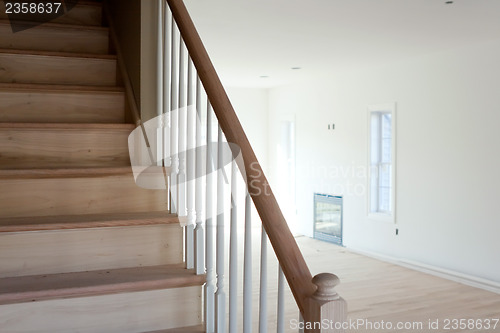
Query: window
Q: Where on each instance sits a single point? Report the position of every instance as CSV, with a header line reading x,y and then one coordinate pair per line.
x,y
382,139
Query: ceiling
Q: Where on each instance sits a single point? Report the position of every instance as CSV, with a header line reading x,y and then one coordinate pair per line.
x,y
250,39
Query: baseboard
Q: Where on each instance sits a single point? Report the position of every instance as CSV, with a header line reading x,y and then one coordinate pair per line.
x,y
466,279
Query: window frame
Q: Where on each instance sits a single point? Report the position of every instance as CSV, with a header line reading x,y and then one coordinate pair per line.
x,y
388,108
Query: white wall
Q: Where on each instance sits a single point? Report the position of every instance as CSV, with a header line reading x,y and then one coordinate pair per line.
x,y
448,160
251,107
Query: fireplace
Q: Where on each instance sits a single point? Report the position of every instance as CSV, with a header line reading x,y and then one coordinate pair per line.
x,y
328,218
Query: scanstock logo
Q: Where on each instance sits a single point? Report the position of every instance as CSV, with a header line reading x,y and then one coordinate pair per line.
x,y
152,146
26,14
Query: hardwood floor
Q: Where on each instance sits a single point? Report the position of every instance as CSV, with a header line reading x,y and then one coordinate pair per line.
x,y
377,291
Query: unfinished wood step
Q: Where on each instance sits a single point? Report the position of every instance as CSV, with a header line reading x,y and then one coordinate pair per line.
x,y
117,313
88,249
44,67
75,191
78,172
37,223
61,104
190,329
37,288
83,13
37,145
54,37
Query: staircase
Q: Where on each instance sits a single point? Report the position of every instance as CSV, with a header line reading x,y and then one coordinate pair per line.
x,y
82,248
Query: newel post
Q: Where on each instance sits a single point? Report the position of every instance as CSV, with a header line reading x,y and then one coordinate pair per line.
x,y
326,311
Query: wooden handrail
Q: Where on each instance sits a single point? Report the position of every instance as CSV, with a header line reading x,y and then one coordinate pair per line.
x,y
291,260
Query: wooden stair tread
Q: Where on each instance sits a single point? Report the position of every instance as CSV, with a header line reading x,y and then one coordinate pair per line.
x,y
80,284
60,87
59,54
190,329
55,25
37,223
64,126
63,173
56,37
76,172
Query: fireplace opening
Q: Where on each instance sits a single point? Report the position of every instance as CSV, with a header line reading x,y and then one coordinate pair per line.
x,y
328,218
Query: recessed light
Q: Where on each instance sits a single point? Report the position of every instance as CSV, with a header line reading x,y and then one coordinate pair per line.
x,y
448,2
264,76
294,68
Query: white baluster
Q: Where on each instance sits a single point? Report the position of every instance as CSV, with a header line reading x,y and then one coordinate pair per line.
x,y
190,143
263,283
189,158
233,254
167,56
281,301
181,176
209,223
198,231
174,119
220,295
159,85
247,269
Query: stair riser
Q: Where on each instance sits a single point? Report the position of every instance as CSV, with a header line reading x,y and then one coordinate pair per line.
x,y
49,38
62,251
61,107
73,196
121,313
65,148
23,68
79,15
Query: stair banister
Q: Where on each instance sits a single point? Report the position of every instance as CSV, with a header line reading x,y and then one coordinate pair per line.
x,y
315,297
282,240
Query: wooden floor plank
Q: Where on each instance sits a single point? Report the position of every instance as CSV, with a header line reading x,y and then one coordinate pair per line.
x,y
377,290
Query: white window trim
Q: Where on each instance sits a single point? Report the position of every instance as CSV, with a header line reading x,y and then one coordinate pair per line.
x,y
388,108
